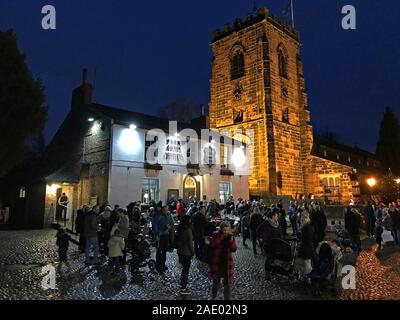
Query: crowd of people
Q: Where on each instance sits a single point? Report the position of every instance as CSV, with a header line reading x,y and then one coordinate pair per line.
x,y
208,232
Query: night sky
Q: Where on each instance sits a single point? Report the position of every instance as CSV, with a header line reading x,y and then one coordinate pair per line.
x,y
148,53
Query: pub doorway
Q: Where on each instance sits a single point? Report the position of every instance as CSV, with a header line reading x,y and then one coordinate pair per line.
x,y
191,189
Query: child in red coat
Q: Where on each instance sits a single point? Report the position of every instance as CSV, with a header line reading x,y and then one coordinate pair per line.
x,y
223,244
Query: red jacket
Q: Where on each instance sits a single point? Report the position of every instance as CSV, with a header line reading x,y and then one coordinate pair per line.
x,y
180,209
216,244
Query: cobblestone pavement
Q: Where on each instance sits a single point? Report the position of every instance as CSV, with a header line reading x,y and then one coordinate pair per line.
x,y
24,253
378,273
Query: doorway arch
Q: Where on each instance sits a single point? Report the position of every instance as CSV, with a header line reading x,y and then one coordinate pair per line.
x,y
191,188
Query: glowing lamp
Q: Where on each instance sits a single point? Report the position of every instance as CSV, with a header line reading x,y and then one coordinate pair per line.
x,y
238,157
371,182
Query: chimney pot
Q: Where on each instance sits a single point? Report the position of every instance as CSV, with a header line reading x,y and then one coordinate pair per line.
x,y
84,75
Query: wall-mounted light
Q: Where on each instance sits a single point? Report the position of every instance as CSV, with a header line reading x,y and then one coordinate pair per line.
x,y
90,119
96,127
177,135
51,190
132,127
238,157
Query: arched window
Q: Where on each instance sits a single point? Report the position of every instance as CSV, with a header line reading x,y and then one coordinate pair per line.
x,y
237,63
282,62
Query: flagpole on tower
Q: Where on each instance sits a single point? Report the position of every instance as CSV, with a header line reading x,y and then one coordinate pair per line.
x,y
292,9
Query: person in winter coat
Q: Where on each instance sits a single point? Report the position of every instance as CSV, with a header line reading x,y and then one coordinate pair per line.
x,y
256,219
268,231
80,226
180,209
378,233
245,226
352,223
282,219
395,214
199,230
319,222
212,209
116,246
185,250
91,235
163,225
223,244
105,227
63,243
369,219
123,227
307,251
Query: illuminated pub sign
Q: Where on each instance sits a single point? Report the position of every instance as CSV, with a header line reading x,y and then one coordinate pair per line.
x,y
173,151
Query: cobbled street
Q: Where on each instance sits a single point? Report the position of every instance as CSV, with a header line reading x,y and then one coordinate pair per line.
x,y
24,253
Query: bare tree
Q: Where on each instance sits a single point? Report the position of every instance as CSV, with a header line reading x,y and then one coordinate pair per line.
x,y
181,109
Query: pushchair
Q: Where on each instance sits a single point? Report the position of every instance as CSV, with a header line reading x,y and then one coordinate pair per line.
x,y
283,258
343,237
140,251
323,274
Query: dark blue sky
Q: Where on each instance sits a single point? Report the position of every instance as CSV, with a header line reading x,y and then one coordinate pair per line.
x,y
148,53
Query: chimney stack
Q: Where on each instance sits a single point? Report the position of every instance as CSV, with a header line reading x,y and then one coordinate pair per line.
x,y
84,75
83,94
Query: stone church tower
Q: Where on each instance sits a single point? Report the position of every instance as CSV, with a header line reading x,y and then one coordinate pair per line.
x,y
257,83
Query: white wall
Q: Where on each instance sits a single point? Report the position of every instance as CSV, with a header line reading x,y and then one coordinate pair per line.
x,y
127,172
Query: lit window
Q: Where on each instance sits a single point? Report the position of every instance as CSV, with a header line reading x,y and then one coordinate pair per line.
x,y
337,157
325,153
150,190
22,192
349,159
225,191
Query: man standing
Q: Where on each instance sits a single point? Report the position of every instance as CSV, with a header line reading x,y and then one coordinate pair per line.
x,y
199,228
256,219
62,207
369,219
352,223
163,225
91,235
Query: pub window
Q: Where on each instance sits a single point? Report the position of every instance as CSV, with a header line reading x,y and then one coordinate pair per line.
x,y
22,192
223,155
282,62
150,190
237,64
